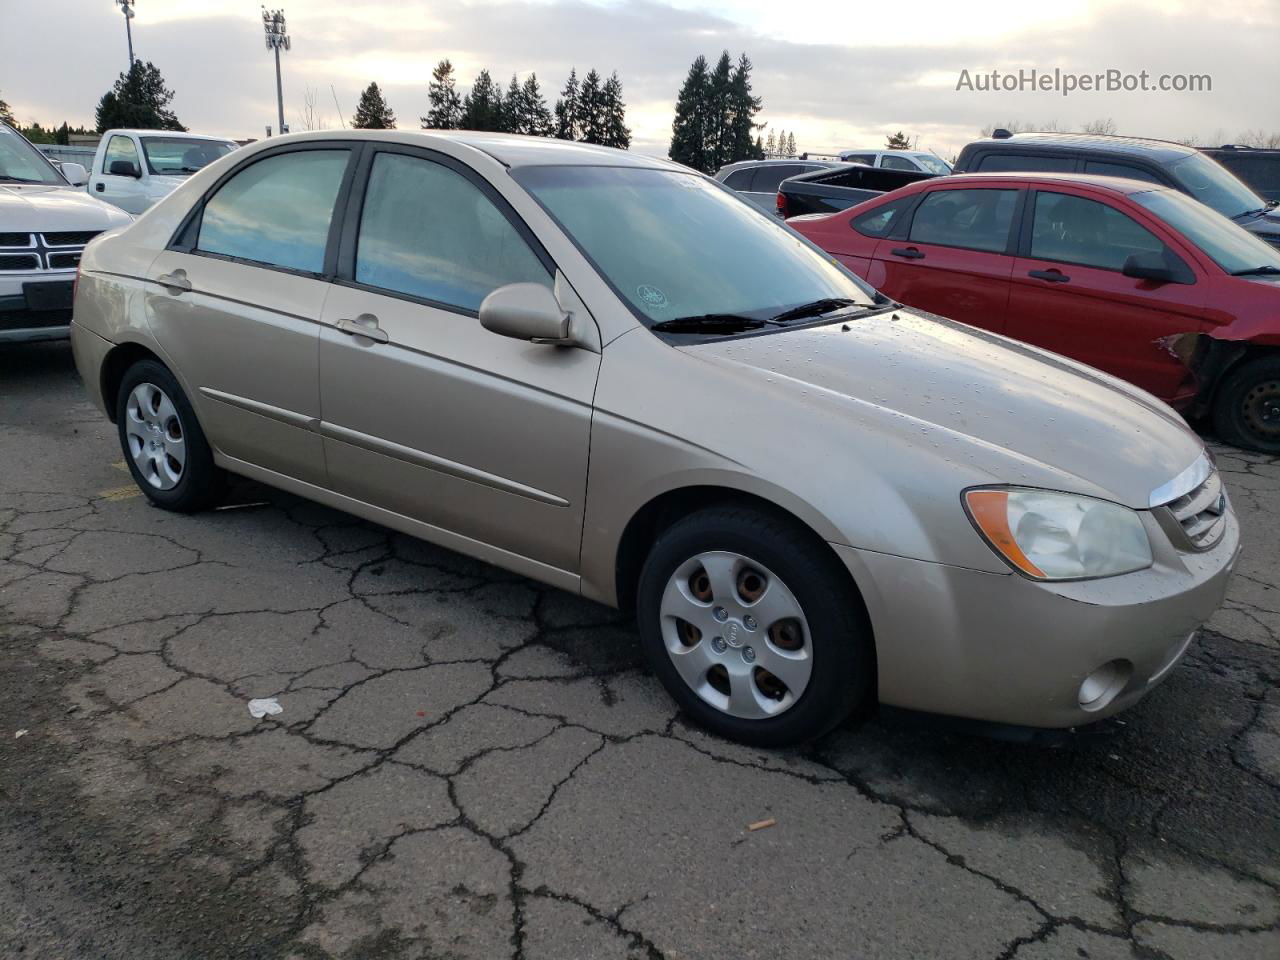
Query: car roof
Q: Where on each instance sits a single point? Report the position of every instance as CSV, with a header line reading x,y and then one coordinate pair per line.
x,y
174,134
1162,151
1122,185
739,164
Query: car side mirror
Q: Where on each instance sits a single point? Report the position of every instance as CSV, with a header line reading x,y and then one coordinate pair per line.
x,y
525,311
124,168
75,173
1147,266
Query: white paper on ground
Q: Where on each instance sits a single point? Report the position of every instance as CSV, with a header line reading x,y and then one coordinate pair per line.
x,y
261,708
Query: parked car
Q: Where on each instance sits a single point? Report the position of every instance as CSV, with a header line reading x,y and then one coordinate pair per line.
x,y
918,160
134,168
1156,161
1259,168
813,498
45,221
1135,279
757,180
838,188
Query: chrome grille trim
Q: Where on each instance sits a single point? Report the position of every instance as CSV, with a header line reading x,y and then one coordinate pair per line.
x,y
1197,519
43,252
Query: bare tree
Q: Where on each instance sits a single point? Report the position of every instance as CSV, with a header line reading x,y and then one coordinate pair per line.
x,y
1104,127
312,118
1259,138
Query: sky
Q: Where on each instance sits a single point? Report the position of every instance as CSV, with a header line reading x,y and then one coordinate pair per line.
x,y
837,73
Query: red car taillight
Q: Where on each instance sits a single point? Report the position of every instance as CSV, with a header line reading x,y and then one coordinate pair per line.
x,y
782,204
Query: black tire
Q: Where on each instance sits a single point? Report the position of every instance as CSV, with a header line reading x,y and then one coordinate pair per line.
x,y
842,675
1246,410
201,482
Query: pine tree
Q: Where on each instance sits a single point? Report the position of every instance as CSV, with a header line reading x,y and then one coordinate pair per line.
x,y
791,144
743,107
372,112
513,108
446,103
567,109
719,136
591,109
6,114
616,132
482,107
138,99
537,118
688,130
898,141
771,145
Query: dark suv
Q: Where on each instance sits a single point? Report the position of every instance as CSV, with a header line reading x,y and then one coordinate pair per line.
x,y
1156,161
1258,167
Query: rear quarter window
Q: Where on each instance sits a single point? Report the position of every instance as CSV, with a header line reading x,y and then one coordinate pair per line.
x,y
1026,163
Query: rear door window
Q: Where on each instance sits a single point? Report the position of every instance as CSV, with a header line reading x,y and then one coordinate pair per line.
x,y
276,211
1026,163
878,222
739,179
1071,229
897,163
768,177
429,232
976,219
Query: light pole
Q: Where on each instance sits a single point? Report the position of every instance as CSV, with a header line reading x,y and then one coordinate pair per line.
x,y
126,7
277,39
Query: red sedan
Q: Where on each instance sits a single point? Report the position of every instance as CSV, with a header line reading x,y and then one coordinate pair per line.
x,y
1133,278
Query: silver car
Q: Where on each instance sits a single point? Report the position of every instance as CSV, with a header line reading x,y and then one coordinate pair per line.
x,y
606,373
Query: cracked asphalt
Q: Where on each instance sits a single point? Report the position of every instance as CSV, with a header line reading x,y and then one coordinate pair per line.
x,y
469,764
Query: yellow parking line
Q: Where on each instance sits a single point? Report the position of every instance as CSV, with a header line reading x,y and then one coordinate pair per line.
x,y
121,493
121,465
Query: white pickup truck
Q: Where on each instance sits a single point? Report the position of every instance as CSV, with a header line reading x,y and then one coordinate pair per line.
x,y
46,218
134,168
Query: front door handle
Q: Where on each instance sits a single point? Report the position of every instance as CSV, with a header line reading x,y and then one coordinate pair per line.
x,y
175,282
909,253
1053,276
365,325
100,187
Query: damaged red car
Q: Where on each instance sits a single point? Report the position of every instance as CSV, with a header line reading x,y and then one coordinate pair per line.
x,y
1135,279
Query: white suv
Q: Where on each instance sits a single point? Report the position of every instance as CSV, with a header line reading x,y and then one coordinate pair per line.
x,y
917,160
45,221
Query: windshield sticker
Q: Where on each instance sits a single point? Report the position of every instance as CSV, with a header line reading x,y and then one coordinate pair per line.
x,y
651,296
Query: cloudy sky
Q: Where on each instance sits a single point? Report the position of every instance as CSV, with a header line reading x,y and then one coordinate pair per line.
x,y
838,73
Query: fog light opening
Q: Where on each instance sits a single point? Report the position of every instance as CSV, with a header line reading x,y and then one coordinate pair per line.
x,y
1104,684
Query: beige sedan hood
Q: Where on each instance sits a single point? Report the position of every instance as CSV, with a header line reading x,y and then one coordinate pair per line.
x,y
1021,414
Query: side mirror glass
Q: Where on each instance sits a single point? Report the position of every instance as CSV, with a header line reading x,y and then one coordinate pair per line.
x,y
124,168
525,311
75,173
1147,266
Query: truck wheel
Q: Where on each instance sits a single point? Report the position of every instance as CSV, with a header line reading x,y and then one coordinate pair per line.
x,y
1247,409
164,447
752,627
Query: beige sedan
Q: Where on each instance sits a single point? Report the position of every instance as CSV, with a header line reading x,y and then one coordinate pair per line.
x,y
608,373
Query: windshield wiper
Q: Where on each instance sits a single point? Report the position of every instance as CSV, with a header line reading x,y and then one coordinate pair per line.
x,y
709,323
815,309
8,179
1263,271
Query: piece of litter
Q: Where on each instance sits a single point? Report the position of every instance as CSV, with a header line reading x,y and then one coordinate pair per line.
x,y
760,825
261,708
422,713
20,733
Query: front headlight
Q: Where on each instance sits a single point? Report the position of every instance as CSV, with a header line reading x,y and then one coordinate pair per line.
x,y
1059,536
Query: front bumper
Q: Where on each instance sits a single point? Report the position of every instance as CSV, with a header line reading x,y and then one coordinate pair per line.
x,y
18,322
1006,649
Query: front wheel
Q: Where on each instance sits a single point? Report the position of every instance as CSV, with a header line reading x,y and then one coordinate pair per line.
x,y
164,447
752,627
1247,409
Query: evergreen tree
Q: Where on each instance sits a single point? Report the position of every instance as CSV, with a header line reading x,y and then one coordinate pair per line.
x,y
6,114
616,132
536,118
482,107
719,135
372,112
688,130
771,145
791,144
446,103
591,121
138,99
567,110
743,106
513,108
898,141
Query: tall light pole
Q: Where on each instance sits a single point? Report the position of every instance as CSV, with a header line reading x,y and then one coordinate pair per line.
x,y
126,7
277,39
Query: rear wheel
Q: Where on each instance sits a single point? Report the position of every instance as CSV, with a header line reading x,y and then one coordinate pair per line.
x,y
752,628
164,447
1247,409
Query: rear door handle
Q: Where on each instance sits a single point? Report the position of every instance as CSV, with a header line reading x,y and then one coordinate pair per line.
x,y
175,282
909,253
1053,276
365,325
